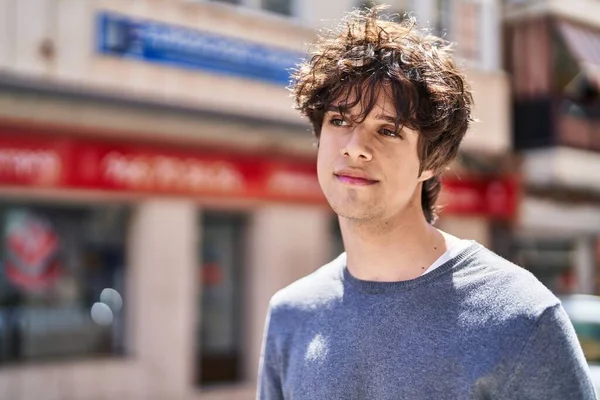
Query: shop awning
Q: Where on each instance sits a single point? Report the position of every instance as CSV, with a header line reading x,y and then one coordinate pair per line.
x,y
584,44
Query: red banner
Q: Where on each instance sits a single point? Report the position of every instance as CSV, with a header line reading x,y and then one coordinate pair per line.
x,y
114,167
87,164
492,197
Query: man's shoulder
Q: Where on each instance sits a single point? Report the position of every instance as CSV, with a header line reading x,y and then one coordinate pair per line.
x,y
311,291
506,287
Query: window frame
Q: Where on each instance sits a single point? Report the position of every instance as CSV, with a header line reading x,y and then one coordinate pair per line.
x,y
255,7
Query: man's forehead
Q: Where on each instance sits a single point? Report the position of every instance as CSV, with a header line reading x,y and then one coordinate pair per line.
x,y
384,104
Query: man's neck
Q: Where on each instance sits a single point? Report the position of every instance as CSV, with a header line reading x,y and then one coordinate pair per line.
x,y
397,249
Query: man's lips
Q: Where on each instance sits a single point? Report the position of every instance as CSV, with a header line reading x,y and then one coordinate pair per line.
x,y
354,177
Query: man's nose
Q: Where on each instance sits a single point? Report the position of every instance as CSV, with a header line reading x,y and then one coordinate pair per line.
x,y
357,146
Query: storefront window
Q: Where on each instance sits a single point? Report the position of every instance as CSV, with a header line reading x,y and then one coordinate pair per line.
x,y
61,281
220,321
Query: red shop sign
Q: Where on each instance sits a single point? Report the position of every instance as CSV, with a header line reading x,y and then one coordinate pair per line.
x,y
86,164
28,161
139,169
491,197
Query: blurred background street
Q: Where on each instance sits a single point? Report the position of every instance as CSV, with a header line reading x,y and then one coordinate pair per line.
x,y
157,187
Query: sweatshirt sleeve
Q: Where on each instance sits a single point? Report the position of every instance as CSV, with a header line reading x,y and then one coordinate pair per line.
x,y
269,376
551,365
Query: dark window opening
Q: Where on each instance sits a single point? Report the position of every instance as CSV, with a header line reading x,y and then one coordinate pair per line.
x,y
219,333
282,7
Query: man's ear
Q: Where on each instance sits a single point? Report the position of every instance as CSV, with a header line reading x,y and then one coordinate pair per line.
x,y
425,175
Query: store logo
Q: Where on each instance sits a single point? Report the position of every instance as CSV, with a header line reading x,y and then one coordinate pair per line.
x,y
32,250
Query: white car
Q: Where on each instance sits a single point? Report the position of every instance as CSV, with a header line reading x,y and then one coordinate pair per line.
x,y
584,311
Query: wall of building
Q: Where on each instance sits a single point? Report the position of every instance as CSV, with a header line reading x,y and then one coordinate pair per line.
x,y
491,133
560,202
68,28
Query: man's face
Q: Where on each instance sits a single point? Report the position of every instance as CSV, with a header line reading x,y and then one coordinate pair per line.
x,y
368,171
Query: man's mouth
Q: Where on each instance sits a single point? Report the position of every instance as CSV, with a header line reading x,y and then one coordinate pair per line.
x,y
354,177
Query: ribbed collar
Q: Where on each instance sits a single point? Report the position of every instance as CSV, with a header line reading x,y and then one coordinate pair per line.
x,y
383,287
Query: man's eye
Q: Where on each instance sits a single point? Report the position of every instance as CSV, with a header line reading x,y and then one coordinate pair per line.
x,y
389,132
338,122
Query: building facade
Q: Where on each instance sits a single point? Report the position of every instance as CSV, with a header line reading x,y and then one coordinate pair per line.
x,y
552,54
156,186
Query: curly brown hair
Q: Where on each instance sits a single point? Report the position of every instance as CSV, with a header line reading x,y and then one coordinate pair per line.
x,y
366,53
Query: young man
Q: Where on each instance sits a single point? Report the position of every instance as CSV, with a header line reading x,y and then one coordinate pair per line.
x,y
408,311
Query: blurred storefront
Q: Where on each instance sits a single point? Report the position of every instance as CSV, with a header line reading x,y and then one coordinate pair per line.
x,y
156,188
552,53
59,264
156,225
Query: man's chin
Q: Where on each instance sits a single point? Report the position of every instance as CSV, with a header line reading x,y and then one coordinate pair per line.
x,y
353,211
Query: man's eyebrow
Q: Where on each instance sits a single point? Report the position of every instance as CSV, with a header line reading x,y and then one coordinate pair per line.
x,y
387,118
384,117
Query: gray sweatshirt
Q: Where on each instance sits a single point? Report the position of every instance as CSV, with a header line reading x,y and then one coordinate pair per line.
x,y
477,327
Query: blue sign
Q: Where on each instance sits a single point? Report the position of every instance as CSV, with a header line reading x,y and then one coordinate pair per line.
x,y
182,47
